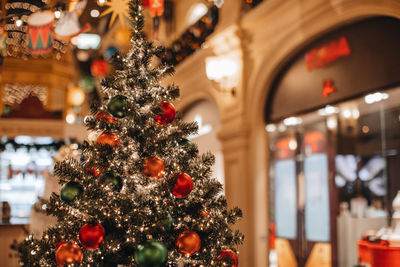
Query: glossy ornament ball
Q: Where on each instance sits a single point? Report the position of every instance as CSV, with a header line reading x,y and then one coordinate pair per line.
x,y
205,212
167,115
118,106
70,191
229,256
109,52
112,179
87,83
154,167
94,169
183,185
91,235
105,116
188,242
151,254
68,254
99,68
165,220
108,138
186,144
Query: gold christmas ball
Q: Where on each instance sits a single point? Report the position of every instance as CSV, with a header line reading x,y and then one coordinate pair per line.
x,y
154,167
188,242
68,253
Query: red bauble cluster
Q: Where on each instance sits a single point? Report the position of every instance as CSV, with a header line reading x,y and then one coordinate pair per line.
x,y
91,235
105,116
167,115
99,68
183,185
154,167
108,138
229,255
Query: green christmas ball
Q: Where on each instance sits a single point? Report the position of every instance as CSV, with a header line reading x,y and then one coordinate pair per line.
x,y
113,179
70,190
118,106
186,143
151,254
165,220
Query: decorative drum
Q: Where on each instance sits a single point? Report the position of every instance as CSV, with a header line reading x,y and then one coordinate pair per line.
x,y
40,26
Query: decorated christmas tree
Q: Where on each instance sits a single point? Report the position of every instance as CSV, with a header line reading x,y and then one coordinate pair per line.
x,y
141,195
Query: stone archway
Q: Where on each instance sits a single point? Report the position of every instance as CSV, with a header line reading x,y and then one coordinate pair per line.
x,y
314,19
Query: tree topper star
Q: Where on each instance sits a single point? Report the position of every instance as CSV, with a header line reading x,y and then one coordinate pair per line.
x,y
118,8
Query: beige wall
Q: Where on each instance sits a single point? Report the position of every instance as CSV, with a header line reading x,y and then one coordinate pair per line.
x,y
269,36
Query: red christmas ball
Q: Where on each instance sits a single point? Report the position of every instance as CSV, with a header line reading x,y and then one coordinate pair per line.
x,y
99,68
188,242
95,170
108,138
183,185
167,115
102,115
68,254
91,235
229,255
154,167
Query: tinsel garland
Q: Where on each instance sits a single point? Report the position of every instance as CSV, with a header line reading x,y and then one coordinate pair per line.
x,y
130,216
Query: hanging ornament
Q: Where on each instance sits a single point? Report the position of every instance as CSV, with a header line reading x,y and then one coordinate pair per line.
x,y
154,167
39,33
165,220
168,113
156,11
205,212
70,191
230,256
151,254
91,235
108,138
68,25
112,179
145,3
87,83
123,36
67,254
95,170
118,8
183,185
188,242
99,68
186,144
118,106
109,52
105,116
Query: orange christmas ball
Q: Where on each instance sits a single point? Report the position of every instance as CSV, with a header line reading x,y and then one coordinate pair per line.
x,y
108,138
91,235
68,254
183,185
229,256
188,242
154,167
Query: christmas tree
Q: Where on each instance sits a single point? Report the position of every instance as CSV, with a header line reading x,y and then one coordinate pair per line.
x,y
141,195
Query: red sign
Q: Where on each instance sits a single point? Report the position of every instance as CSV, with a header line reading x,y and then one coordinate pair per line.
x,y
328,88
327,53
